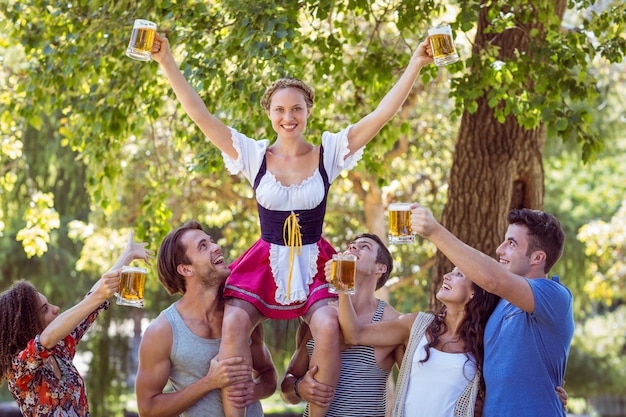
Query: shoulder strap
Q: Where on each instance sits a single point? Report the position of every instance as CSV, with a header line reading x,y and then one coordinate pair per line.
x,y
379,311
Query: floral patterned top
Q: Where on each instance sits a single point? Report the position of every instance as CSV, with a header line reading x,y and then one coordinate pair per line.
x,y
36,388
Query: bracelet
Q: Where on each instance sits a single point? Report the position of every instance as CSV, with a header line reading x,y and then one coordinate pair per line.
x,y
295,387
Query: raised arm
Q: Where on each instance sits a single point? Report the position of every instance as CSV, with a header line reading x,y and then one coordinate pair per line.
x,y
365,129
132,251
67,321
101,291
485,271
382,333
212,127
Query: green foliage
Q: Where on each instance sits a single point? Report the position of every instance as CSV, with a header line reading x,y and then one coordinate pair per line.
x,y
552,82
598,356
581,194
606,246
93,143
40,218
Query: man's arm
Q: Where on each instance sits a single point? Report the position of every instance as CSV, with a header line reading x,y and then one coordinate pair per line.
x,y
485,271
309,389
154,371
264,371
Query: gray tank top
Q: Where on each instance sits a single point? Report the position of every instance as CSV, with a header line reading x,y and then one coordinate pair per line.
x,y
191,357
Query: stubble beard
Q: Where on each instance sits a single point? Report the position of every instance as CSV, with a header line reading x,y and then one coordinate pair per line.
x,y
212,278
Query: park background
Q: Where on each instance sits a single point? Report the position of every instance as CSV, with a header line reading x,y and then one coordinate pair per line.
x,y
94,145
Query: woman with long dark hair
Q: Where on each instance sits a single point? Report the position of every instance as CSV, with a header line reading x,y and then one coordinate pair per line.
x,y
440,374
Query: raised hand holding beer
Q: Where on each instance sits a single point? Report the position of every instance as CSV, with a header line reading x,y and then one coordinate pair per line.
x,y
343,274
422,220
442,44
132,278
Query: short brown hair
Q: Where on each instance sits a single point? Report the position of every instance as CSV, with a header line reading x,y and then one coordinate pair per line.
x,y
544,233
383,256
171,254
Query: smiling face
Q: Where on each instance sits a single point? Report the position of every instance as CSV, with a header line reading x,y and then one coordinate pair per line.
x,y
48,311
456,289
206,259
288,112
513,252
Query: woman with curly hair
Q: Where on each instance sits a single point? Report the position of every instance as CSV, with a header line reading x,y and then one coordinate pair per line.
x,y
440,375
281,275
38,343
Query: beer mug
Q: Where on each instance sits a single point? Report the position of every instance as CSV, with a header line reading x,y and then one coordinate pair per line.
x,y
141,40
444,51
343,274
132,286
400,223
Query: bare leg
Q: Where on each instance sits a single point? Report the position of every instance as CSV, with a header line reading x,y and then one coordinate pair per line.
x,y
240,317
324,324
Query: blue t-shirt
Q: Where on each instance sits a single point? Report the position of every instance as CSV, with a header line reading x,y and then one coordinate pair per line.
x,y
526,354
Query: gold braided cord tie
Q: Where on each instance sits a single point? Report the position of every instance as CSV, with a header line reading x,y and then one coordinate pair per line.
x,y
292,238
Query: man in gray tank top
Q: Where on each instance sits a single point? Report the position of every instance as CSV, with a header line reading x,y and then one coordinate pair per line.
x,y
361,390
181,345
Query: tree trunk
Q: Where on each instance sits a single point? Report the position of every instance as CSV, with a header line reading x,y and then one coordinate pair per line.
x,y
496,167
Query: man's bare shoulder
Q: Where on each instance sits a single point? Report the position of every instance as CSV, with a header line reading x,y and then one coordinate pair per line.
x,y
159,329
390,313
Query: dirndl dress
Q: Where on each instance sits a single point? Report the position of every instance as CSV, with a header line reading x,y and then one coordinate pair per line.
x,y
279,274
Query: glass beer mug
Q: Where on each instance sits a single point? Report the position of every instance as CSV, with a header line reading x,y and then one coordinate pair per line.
x,y
132,286
400,223
444,51
141,40
343,274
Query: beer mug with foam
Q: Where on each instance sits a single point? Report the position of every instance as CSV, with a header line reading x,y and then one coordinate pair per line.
x,y
400,223
141,40
444,51
132,286
343,274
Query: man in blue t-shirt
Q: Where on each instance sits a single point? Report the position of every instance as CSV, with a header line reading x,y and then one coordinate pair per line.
x,y
527,337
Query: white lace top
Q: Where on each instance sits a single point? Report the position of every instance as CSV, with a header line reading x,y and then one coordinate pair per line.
x,y
272,195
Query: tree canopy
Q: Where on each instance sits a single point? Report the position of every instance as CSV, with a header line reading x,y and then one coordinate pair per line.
x,y
94,143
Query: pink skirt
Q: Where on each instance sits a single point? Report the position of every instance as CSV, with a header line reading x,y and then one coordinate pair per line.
x,y
252,280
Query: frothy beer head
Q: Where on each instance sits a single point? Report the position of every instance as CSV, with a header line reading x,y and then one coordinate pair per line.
x,y
141,40
444,51
400,223
343,274
132,284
